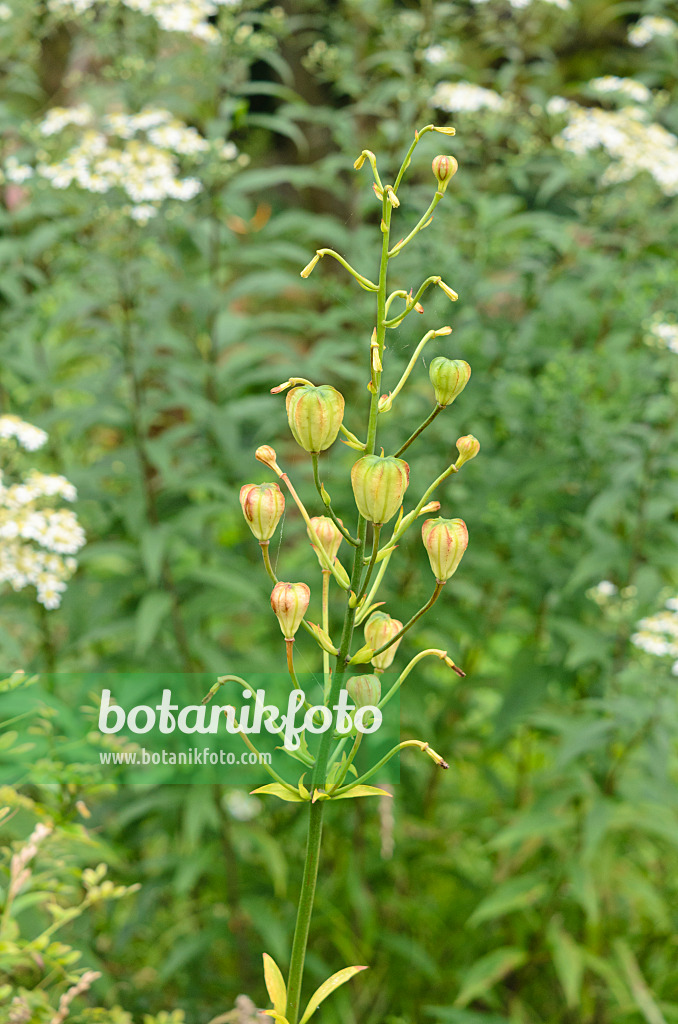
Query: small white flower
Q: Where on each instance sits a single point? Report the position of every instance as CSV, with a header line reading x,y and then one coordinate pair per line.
x,y
649,28
464,96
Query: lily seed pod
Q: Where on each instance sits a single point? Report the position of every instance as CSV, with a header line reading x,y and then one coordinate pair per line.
x,y
266,454
468,447
262,506
364,691
315,415
449,378
444,168
289,601
329,536
445,541
379,485
379,629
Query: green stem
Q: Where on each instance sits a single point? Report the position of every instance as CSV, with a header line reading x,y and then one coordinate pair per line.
x,y
420,429
411,303
327,677
263,544
376,530
305,909
421,224
408,625
319,488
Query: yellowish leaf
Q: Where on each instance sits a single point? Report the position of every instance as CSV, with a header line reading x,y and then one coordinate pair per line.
x,y
275,984
327,988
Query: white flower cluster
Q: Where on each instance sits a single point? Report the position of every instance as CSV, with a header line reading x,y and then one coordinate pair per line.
x,y
633,143
25,434
519,5
188,16
36,542
658,634
109,155
5,12
464,96
626,87
663,334
649,27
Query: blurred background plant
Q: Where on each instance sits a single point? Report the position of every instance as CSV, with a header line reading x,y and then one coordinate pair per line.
x,y
536,881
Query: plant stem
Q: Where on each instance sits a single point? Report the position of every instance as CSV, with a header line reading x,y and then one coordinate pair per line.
x,y
304,911
307,897
337,522
420,429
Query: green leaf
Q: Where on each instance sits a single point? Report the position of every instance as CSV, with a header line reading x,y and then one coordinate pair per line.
x,y
514,894
642,996
327,988
276,789
275,984
153,608
567,961
487,971
361,791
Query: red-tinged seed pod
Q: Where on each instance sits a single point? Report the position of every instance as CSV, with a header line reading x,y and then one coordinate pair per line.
x,y
468,447
379,629
329,536
444,168
289,601
267,455
449,378
364,691
445,541
379,485
315,416
262,506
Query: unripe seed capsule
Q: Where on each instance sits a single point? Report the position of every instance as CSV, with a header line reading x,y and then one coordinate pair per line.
x,y
468,447
289,601
315,415
444,168
449,378
329,536
379,485
262,506
364,691
379,629
445,541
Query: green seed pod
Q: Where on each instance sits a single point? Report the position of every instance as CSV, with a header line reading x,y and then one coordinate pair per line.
x,y
379,485
329,536
468,447
449,378
379,629
444,168
315,416
364,691
262,506
445,541
289,601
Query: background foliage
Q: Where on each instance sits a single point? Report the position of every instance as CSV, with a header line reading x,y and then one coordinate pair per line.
x,y
535,881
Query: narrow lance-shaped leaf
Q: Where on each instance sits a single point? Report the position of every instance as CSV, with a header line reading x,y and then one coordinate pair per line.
x,y
327,988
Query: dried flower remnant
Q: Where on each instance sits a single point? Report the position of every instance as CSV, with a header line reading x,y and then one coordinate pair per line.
x,y
37,542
